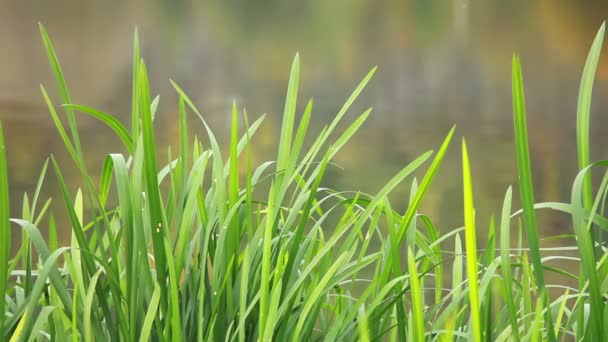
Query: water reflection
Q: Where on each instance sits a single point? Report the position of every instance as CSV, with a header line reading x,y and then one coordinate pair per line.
x,y
441,63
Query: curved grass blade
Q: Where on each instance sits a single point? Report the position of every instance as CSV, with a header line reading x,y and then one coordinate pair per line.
x,y
583,112
48,267
586,249
109,120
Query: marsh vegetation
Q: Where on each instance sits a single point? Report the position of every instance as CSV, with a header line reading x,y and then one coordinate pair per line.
x,y
199,243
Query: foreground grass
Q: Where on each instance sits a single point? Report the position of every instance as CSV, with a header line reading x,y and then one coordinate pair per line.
x,y
192,251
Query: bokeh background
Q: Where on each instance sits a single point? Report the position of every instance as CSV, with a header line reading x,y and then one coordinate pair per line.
x,y
441,63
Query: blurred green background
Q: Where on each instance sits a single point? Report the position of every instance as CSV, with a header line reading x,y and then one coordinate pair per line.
x,y
440,63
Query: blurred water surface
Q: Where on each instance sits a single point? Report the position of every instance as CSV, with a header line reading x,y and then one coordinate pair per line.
x,y
440,63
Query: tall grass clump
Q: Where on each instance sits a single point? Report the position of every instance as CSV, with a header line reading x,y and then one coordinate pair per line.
x,y
206,246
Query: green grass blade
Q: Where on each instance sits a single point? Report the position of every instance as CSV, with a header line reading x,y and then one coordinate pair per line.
x,y
505,239
583,112
38,188
43,251
313,298
471,244
244,292
151,312
62,133
586,247
300,135
88,306
311,154
291,99
537,325
48,267
183,143
526,188
107,119
174,310
416,297
5,230
424,185
63,89
42,322
363,326
158,227
135,114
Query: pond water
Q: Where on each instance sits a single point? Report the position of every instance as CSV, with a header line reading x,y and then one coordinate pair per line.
x,y
441,63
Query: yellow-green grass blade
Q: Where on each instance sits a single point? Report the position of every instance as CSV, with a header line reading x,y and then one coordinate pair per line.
x,y
5,230
471,244
424,185
586,247
416,297
266,259
48,267
457,266
560,312
583,112
19,329
505,239
37,192
525,186
363,325
488,260
536,335
285,141
448,335
151,313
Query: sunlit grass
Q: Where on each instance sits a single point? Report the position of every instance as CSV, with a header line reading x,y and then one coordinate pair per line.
x,y
204,246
